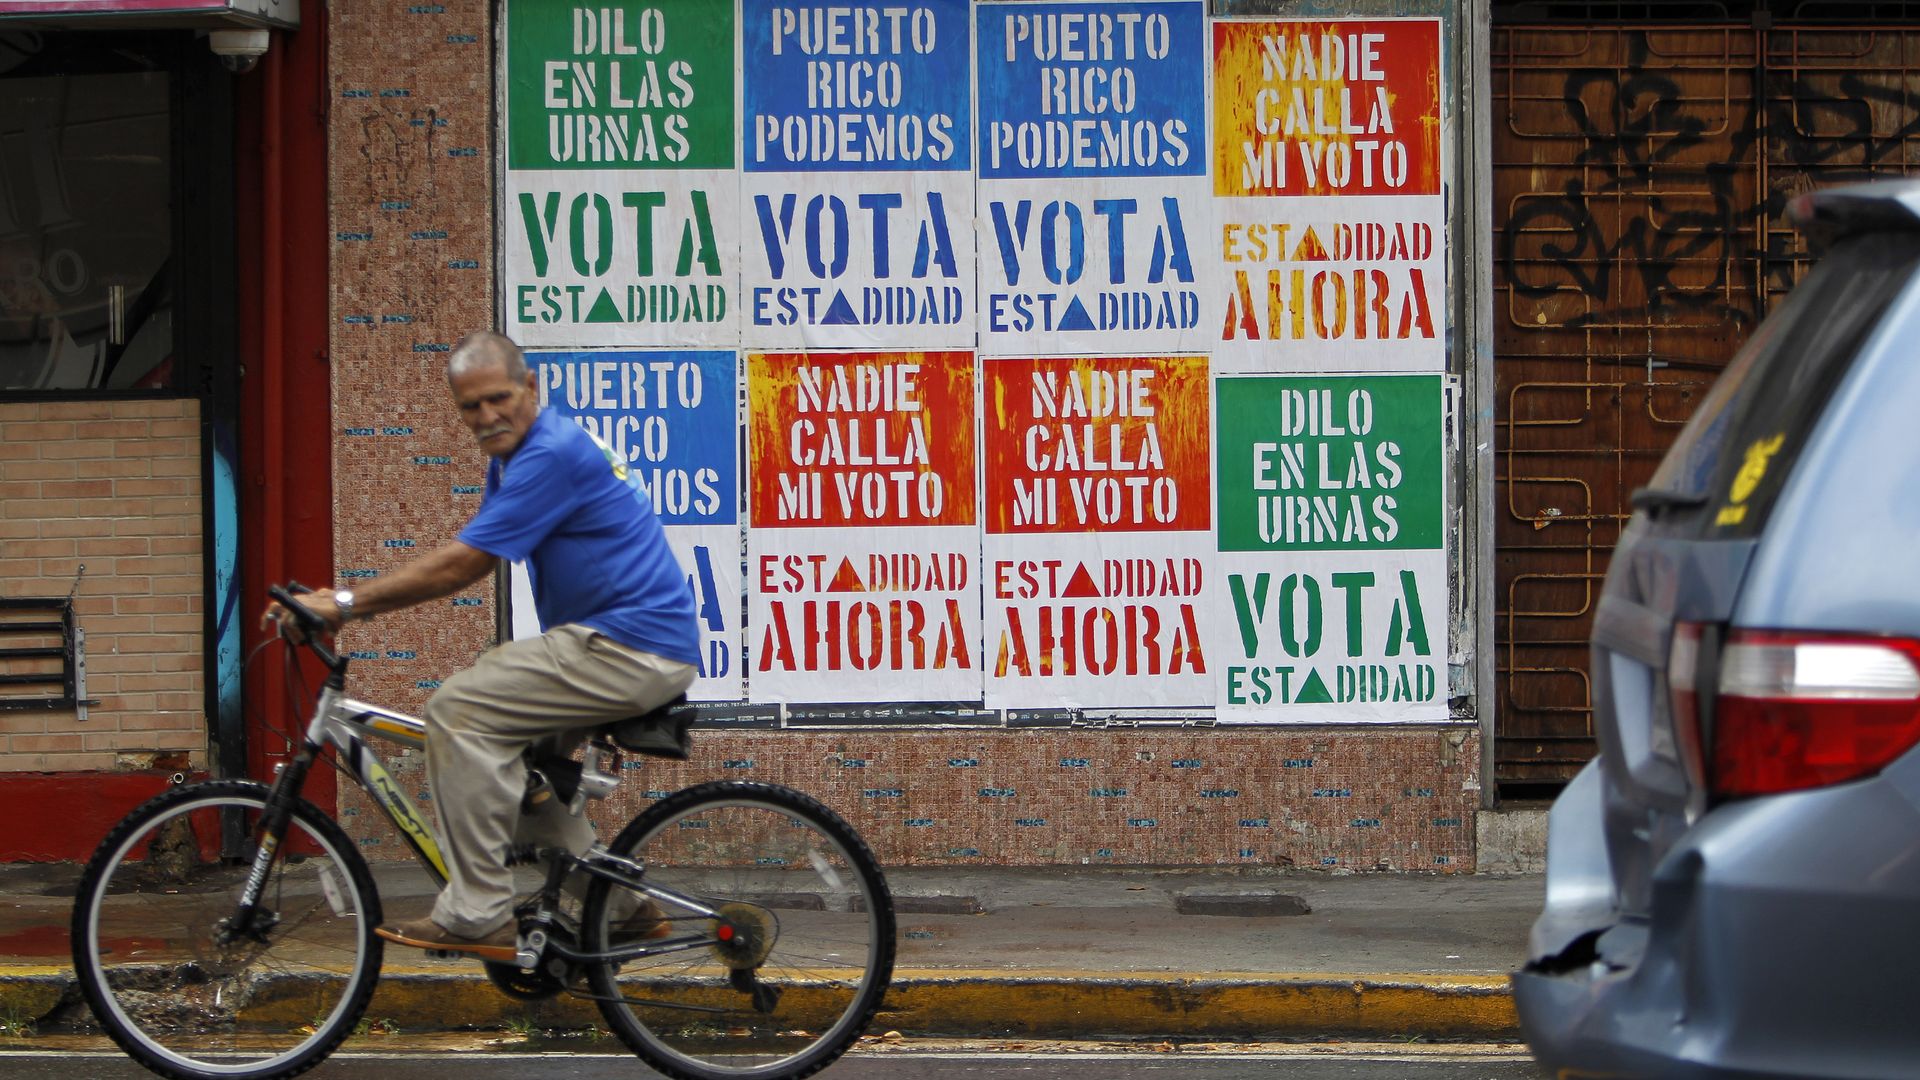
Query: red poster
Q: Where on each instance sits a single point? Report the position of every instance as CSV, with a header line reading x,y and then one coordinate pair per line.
x,y
1306,107
1109,444
860,439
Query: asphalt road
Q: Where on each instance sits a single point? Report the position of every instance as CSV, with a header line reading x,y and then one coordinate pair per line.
x,y
1056,1061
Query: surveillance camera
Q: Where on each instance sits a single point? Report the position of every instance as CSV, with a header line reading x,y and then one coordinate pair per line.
x,y
239,50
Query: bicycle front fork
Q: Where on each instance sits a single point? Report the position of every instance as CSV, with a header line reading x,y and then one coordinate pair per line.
x,y
249,919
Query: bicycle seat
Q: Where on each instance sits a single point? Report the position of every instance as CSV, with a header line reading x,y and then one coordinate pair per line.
x,y
659,733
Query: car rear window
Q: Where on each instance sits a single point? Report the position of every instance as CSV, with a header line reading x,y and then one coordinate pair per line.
x,y
1721,477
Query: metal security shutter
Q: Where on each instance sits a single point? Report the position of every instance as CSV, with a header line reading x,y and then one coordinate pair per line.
x,y
1641,173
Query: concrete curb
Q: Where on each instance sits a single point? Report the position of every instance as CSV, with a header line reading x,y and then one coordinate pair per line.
x,y
981,1004
1203,1006
29,992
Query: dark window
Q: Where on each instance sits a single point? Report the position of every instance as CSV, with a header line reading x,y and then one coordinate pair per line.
x,y
86,214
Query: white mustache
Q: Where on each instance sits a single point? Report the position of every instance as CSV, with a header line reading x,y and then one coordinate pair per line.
x,y
492,431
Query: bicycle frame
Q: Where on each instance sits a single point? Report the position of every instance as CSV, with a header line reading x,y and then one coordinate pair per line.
x,y
346,724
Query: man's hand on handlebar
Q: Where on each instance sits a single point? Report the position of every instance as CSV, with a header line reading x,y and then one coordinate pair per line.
x,y
321,606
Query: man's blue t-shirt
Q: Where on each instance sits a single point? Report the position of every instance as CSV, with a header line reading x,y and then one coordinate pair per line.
x,y
594,548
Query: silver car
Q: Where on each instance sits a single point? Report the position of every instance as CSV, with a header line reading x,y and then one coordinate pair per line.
x,y
1733,884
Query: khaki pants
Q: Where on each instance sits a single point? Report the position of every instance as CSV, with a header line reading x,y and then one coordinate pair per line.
x,y
480,721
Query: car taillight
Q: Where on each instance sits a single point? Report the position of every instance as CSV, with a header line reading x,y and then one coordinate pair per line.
x,y
1796,711
1683,673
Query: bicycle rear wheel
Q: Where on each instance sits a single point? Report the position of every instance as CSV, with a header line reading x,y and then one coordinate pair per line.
x,y
791,971
158,960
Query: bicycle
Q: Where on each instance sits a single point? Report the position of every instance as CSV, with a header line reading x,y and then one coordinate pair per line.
x,y
225,927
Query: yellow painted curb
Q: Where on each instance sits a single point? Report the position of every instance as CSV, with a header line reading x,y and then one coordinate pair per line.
x,y
1061,1004
1054,1003
1170,1006
29,992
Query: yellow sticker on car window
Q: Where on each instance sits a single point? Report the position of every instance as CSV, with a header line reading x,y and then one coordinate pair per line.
x,y
1747,480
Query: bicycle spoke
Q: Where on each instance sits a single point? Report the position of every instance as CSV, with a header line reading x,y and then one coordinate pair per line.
x,y
168,973
803,936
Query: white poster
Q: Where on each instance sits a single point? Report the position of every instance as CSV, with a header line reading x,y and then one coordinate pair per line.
x,y
863,546
1095,215
870,260
1332,284
1328,158
841,615
857,160
621,259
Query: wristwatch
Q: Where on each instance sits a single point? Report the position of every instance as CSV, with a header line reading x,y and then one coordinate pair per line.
x,y
343,599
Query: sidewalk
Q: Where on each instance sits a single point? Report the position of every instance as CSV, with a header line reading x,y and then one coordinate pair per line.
x,y
1056,952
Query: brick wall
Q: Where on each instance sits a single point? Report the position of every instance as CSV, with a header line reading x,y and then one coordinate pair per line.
x,y
113,486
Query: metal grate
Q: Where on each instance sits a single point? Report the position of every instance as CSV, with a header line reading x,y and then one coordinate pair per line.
x,y
1588,12
1641,173
1856,12
43,658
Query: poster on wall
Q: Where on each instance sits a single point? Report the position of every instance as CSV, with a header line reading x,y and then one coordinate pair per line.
x,y
857,185
1327,163
620,222
1332,546
863,545
1094,210
1097,564
667,422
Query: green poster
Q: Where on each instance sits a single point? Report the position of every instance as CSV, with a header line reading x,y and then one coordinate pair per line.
x,y
620,85
1329,463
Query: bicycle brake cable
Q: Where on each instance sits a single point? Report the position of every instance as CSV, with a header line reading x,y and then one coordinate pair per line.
x,y
290,665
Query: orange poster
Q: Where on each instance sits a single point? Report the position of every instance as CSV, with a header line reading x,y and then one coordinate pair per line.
x,y
1347,107
1096,444
860,439
1095,572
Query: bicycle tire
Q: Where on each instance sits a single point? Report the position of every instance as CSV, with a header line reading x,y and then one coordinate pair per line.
x,y
189,1006
816,927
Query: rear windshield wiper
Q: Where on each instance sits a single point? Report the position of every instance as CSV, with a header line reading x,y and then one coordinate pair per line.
x,y
1653,500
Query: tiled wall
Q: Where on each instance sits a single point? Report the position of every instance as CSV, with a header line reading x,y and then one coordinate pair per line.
x,y
1328,799
411,216
411,203
113,486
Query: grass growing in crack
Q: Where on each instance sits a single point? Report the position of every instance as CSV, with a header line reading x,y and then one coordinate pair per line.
x,y
15,1024
365,1026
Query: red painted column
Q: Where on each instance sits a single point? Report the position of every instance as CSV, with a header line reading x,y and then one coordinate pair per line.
x,y
286,487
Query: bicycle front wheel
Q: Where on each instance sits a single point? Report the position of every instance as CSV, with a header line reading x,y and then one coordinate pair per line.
x,y
790,970
175,979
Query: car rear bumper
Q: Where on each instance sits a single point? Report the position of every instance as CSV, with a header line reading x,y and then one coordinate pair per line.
x,y
1780,941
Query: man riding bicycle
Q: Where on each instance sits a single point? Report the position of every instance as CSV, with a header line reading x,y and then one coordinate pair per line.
x,y
620,637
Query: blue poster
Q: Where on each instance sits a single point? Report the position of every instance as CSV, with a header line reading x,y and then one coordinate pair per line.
x,y
1091,90
861,87
669,415
673,418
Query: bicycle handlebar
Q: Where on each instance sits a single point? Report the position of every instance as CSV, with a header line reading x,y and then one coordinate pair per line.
x,y
310,624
